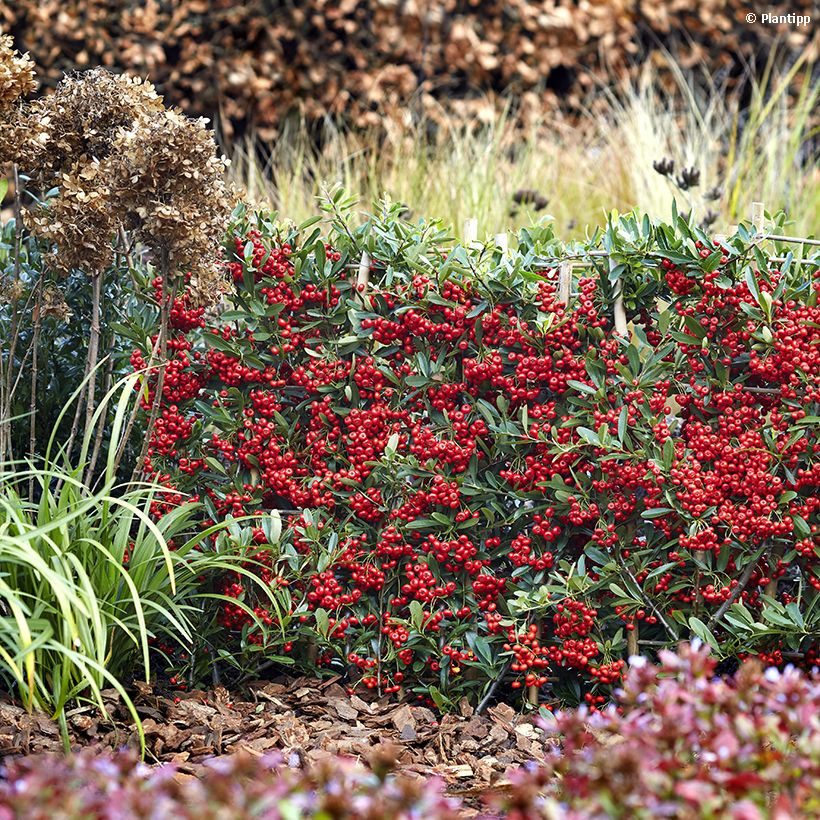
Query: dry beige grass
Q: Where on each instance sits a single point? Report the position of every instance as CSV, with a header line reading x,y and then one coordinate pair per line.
x,y
760,151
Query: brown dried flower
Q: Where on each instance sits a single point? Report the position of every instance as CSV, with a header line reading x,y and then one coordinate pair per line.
x,y
79,221
54,304
79,123
16,73
120,159
16,80
169,183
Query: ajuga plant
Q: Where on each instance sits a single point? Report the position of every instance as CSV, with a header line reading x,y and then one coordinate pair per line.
x,y
109,166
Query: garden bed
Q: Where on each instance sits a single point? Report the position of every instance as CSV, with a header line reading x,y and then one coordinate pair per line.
x,y
308,721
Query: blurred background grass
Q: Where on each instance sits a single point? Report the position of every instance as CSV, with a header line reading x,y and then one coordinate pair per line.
x,y
757,141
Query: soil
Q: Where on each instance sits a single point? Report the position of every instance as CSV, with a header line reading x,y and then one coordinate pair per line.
x,y
305,720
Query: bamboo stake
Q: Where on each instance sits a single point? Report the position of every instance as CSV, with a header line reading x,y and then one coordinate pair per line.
x,y
632,641
621,327
532,691
794,239
363,278
470,232
758,217
565,282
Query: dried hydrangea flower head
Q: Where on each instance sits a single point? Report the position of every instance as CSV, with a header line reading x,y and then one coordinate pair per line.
x,y
70,133
119,158
78,124
16,73
16,81
169,182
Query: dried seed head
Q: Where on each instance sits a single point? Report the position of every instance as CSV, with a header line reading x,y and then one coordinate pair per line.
x,y
80,223
120,159
55,305
16,74
80,121
169,182
16,80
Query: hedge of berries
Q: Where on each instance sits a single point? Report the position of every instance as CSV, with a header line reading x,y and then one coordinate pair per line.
x,y
478,481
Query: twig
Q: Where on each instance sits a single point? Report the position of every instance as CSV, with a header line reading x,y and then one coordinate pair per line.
x,y
93,346
5,429
738,590
648,601
98,437
795,239
493,686
35,343
167,297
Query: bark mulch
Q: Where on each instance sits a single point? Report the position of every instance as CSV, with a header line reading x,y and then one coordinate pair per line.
x,y
306,720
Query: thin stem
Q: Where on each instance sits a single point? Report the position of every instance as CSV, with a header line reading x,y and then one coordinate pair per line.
x,y
493,686
8,390
738,590
98,436
647,601
93,347
32,404
163,355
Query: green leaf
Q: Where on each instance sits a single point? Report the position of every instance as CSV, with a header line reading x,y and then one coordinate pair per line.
x,y
751,283
795,614
668,454
322,622
580,386
416,615
703,632
655,512
590,436
622,420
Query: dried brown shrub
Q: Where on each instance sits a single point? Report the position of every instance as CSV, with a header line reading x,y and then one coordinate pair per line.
x,y
259,60
120,159
170,186
16,81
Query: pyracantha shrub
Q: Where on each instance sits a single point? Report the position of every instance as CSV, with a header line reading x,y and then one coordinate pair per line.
x,y
479,481
683,743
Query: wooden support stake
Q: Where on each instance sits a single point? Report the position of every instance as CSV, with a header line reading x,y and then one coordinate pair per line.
x,y
470,232
632,640
621,327
758,217
363,274
363,278
532,691
565,282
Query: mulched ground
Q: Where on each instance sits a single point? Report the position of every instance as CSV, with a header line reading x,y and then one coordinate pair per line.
x,y
306,720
